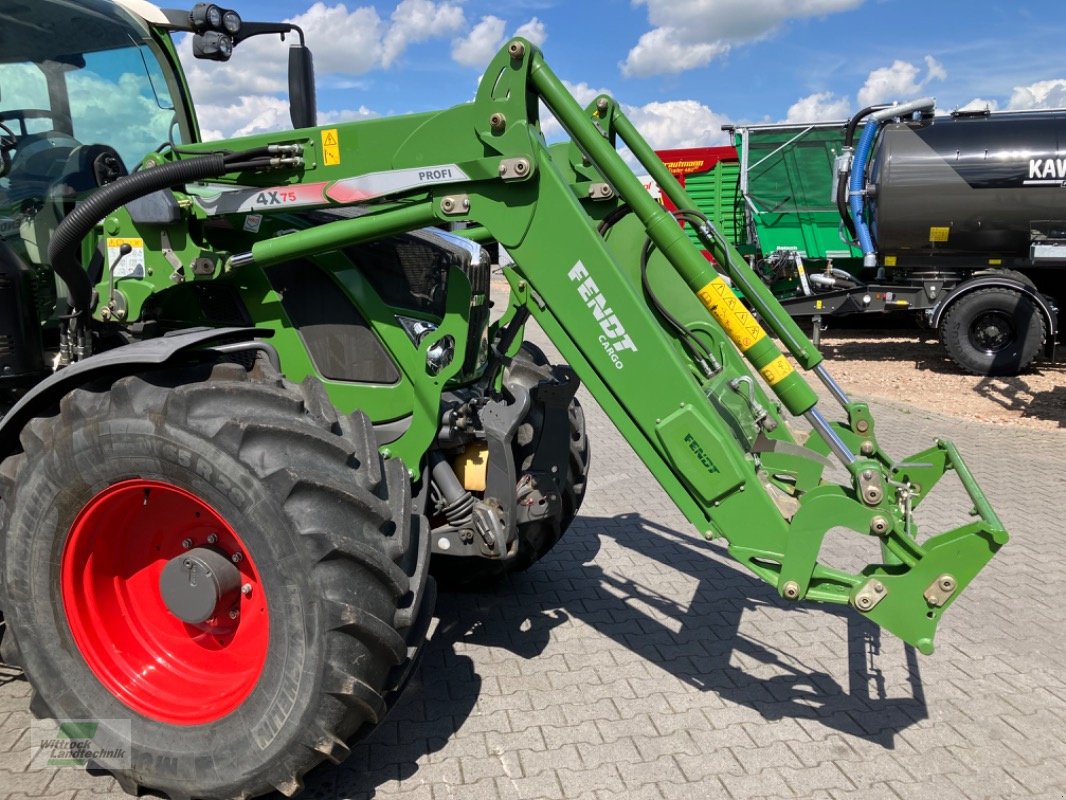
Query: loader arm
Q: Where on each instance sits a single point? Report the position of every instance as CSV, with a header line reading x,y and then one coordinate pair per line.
x,y
688,375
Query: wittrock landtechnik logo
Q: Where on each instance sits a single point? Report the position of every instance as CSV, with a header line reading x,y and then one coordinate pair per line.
x,y
79,743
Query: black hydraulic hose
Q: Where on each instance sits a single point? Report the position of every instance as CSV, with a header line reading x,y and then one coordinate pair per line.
x,y
613,218
63,248
853,123
842,206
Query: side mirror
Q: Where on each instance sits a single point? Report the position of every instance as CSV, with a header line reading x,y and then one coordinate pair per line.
x,y
303,109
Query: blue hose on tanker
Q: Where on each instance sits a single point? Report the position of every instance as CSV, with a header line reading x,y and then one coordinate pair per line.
x,y
856,184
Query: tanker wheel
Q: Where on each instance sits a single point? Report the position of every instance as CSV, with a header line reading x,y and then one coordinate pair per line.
x,y
994,331
536,537
216,560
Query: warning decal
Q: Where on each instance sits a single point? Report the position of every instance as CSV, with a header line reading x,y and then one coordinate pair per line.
x,y
128,265
939,234
331,147
776,371
731,314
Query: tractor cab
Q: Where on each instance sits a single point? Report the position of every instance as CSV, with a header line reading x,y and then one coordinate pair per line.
x,y
79,107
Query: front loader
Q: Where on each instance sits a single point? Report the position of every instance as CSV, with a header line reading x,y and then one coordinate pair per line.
x,y
253,396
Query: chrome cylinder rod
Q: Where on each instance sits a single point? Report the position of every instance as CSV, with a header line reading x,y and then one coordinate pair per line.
x,y
831,385
836,444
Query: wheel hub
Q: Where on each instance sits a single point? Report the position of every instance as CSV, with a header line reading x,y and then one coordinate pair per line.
x,y
165,602
199,584
991,332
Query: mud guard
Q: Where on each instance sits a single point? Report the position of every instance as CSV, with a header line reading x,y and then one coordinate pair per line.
x,y
119,361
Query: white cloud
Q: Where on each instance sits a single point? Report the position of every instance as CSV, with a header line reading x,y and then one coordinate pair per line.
x,y
980,104
690,33
254,69
534,30
485,39
678,123
665,50
1042,94
416,21
346,115
582,92
244,116
900,81
246,94
819,107
665,125
250,114
344,42
934,70
478,47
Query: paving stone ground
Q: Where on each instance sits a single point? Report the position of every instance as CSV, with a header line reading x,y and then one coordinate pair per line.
x,y
637,661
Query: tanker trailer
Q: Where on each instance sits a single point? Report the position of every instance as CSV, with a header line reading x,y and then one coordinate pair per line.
x,y
963,217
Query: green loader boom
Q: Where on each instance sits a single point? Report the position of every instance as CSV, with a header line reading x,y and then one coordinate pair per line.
x,y
714,438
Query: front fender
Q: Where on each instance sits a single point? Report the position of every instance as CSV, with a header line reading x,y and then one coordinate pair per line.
x,y
120,361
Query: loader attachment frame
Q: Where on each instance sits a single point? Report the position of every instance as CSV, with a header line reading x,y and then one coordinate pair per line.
x,y
687,373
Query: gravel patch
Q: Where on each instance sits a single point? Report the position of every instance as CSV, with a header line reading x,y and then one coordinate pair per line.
x,y
902,367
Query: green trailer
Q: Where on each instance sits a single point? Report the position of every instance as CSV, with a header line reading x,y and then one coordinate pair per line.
x,y
785,182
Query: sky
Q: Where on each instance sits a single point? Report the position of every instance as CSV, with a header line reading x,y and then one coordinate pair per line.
x,y
680,68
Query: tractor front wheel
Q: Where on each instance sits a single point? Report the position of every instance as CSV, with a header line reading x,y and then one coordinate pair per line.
x,y
215,564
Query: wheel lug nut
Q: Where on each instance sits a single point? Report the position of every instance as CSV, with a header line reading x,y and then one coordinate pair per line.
x,y
234,613
212,538
186,543
236,558
246,589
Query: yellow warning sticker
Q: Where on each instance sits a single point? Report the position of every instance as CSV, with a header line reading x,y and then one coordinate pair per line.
x,y
776,371
818,304
890,261
331,147
731,314
937,234
125,257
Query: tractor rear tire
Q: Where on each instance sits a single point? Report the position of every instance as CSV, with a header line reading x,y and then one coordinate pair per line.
x,y
537,536
209,461
994,332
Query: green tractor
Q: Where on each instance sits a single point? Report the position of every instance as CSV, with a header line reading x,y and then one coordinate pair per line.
x,y
254,400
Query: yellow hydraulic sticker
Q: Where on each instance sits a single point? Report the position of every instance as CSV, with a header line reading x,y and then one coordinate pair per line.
x,y
730,313
890,261
776,371
937,234
331,147
128,262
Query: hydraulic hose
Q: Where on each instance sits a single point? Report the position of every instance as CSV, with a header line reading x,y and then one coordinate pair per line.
x,y
842,178
856,188
853,123
63,248
857,181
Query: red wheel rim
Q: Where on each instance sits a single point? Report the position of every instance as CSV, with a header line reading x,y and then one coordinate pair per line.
x,y
155,663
